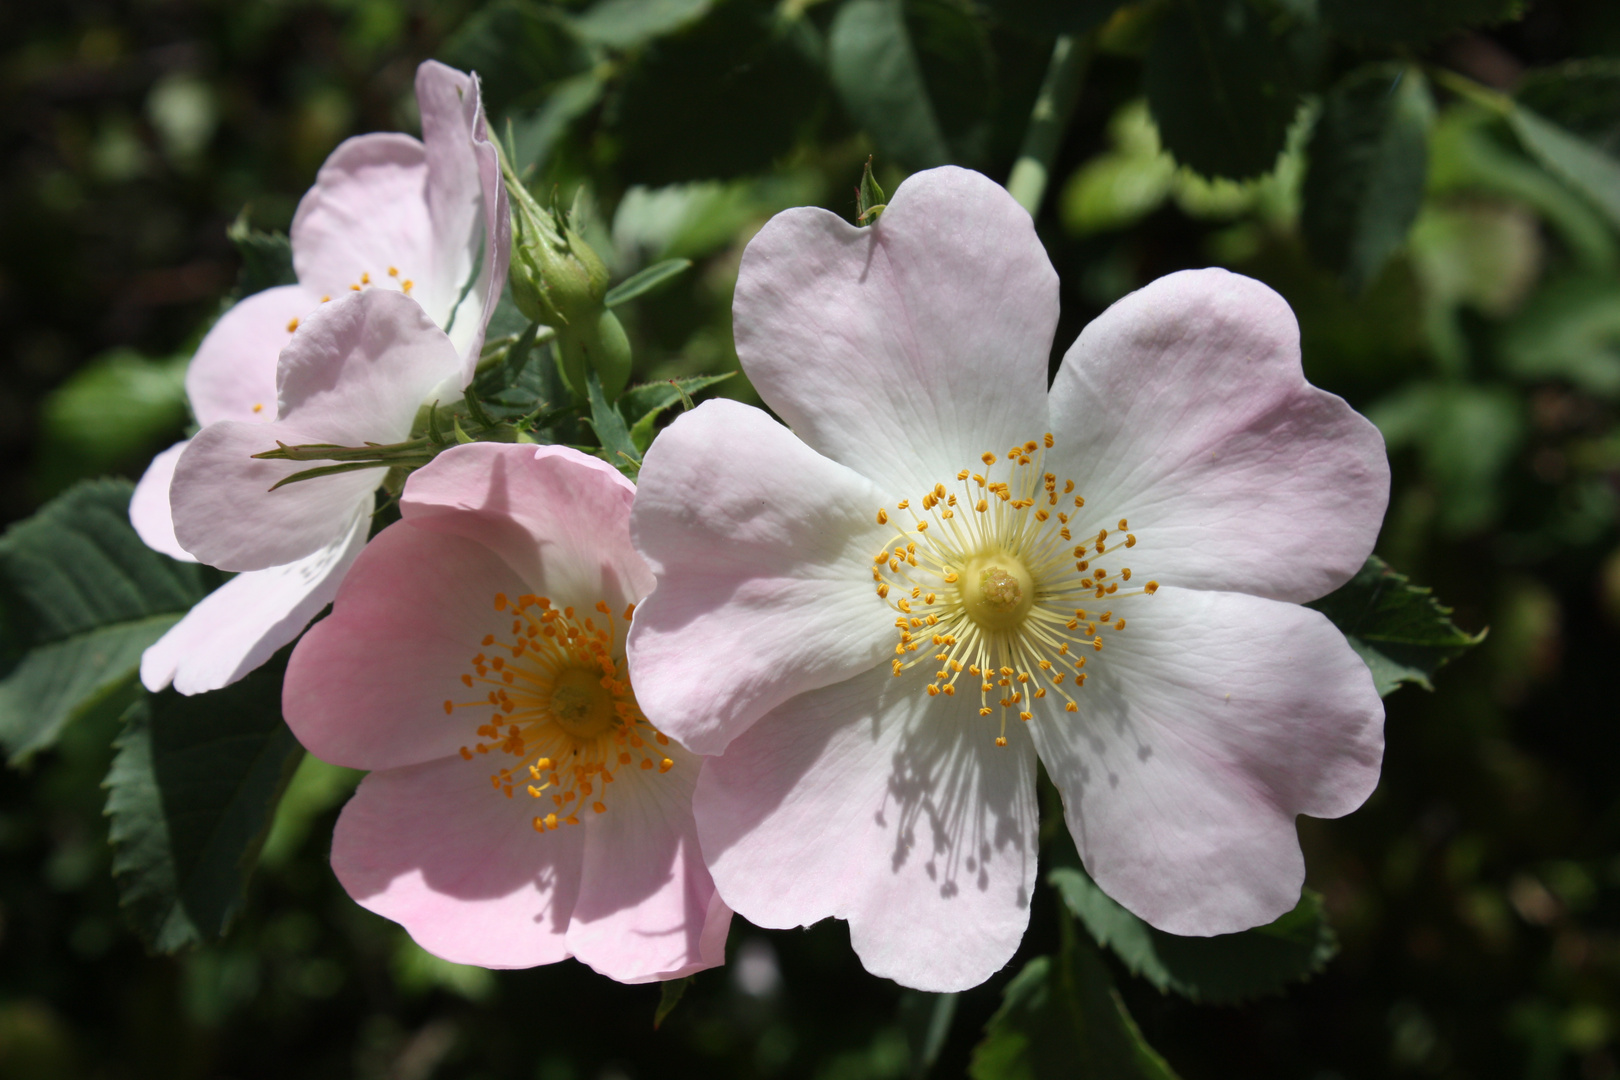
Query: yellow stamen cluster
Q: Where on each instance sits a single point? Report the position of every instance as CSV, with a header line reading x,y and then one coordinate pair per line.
x,y
560,704
365,281
988,581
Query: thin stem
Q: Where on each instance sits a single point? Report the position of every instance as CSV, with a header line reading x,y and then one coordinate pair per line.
x,y
1059,92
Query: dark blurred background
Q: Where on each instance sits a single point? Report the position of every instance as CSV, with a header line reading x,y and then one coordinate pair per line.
x,y
1477,895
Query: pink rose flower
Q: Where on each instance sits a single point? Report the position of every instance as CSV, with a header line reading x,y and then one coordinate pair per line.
x,y
520,808
942,570
427,219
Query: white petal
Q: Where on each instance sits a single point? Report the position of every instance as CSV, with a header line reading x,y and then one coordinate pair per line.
x,y
241,624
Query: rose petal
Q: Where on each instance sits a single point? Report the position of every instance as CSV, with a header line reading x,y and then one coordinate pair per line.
x,y
357,372
433,848
233,374
366,687
558,517
872,802
467,203
646,902
240,625
368,214
907,349
149,506
764,551
1183,409
1205,727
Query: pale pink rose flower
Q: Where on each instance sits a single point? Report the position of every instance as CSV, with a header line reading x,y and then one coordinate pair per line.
x,y
387,212
880,718
520,809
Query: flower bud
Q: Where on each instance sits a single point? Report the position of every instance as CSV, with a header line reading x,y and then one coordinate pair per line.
x,y
601,346
557,279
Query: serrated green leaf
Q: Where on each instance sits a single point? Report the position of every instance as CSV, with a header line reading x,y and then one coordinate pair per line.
x,y
648,401
1061,1016
1368,160
1577,162
669,996
1404,21
190,798
876,69
83,597
519,48
1398,628
1215,970
266,257
645,281
611,432
1220,88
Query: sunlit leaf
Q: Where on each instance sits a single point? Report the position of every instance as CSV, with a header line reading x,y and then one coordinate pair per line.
x,y
1577,162
645,281
624,24
82,597
1224,969
611,431
647,402
114,411
191,796
1402,632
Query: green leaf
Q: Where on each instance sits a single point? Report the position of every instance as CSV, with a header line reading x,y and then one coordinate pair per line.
x,y
115,410
725,97
191,796
1388,21
610,429
1577,162
266,257
926,1021
1215,970
1465,436
651,399
1570,329
1048,18
535,134
1398,628
645,281
869,197
83,597
624,24
1220,88
1062,1017
1368,159
916,75
519,49
669,996
1581,95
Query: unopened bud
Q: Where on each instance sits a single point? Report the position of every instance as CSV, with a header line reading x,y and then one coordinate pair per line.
x,y
601,346
557,279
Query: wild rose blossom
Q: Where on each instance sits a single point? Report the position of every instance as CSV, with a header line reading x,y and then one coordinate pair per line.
x,y
939,570
520,808
428,219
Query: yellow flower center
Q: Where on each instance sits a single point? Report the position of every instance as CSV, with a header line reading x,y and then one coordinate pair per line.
x,y
995,590
560,705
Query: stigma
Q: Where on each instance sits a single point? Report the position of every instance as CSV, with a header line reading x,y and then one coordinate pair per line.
x,y
993,592
560,704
